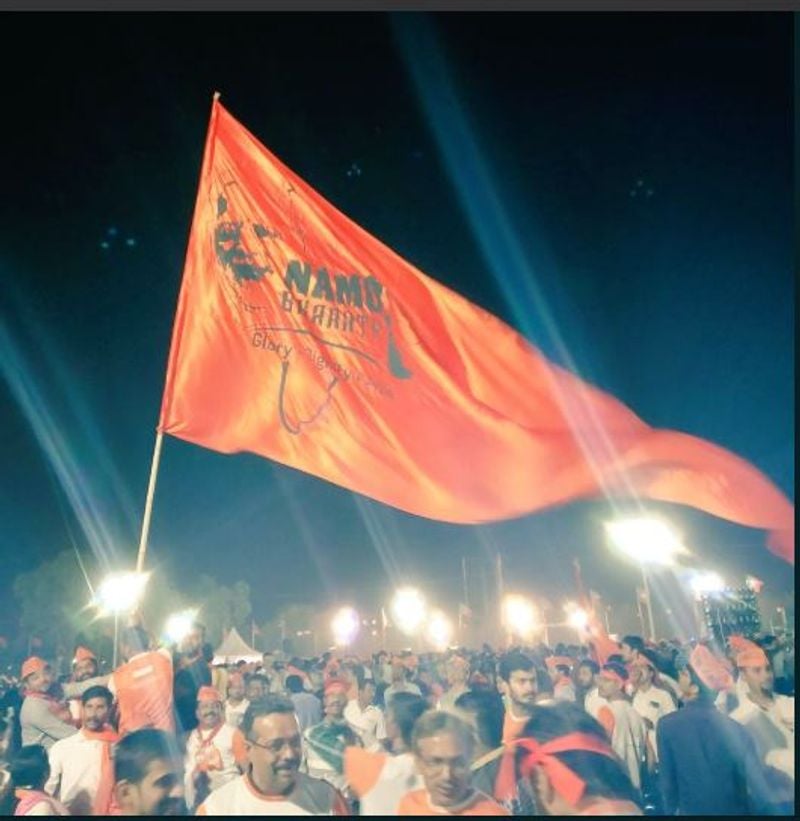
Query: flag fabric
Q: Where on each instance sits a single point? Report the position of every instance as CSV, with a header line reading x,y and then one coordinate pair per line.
x,y
300,337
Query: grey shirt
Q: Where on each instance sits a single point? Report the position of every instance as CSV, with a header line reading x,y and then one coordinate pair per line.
x,y
40,726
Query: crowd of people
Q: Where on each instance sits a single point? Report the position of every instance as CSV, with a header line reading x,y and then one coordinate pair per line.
x,y
627,728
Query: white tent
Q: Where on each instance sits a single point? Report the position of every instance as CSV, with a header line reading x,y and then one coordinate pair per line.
x,y
234,648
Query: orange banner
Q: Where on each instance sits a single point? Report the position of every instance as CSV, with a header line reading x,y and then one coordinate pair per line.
x,y
301,337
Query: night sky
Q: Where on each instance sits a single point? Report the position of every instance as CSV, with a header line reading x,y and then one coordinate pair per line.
x,y
644,162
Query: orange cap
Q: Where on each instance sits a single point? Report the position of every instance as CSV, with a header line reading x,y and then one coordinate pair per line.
x,y
32,665
208,694
748,653
335,685
709,669
82,653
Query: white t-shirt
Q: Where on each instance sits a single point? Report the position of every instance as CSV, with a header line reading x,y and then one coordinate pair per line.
x,y
234,713
309,797
219,757
653,705
75,767
368,724
380,780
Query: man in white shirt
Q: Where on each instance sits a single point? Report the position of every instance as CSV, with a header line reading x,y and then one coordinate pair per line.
x,y
273,783
81,769
651,702
457,677
769,718
363,716
236,704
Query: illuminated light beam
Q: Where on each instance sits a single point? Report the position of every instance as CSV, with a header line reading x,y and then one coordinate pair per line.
x,y
503,252
59,374
72,479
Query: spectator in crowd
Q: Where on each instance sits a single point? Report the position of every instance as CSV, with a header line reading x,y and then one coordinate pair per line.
x,y
29,771
273,783
148,774
443,748
565,757
518,682
81,771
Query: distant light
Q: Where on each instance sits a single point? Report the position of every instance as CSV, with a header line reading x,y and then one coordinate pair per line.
x,y
345,626
646,540
439,630
121,592
519,615
104,245
179,625
130,242
408,610
707,582
578,618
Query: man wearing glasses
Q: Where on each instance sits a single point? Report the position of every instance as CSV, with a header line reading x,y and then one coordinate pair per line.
x,y
443,746
273,783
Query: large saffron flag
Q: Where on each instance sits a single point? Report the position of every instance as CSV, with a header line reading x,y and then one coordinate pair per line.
x,y
301,337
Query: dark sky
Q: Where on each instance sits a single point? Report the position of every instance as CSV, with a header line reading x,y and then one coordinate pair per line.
x,y
644,163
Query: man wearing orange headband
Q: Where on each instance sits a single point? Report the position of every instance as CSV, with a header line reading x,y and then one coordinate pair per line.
x,y
44,719
215,751
325,742
565,757
625,728
768,718
559,669
707,762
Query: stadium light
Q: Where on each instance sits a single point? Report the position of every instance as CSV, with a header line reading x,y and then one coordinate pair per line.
x,y
121,592
179,625
439,630
648,541
645,540
577,618
345,625
707,582
519,615
408,610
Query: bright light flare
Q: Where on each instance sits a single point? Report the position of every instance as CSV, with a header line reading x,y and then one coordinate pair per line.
x,y
578,618
645,540
707,582
519,615
179,625
121,592
345,626
408,610
440,630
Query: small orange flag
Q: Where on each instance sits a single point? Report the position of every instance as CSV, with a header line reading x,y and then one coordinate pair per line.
x,y
301,337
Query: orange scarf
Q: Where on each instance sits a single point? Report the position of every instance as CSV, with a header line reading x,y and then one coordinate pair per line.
x,y
105,790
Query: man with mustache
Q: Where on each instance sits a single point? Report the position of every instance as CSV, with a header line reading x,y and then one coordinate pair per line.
x,y
519,685
81,772
273,783
215,752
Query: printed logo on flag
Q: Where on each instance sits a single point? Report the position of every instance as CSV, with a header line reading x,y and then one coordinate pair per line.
x,y
339,322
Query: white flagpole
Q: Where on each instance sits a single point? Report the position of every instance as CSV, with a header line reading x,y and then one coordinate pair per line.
x,y
151,487
148,505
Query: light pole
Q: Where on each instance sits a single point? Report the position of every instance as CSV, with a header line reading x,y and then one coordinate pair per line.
x,y
646,588
647,541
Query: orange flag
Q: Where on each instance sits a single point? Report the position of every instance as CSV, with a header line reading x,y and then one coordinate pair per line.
x,y
301,337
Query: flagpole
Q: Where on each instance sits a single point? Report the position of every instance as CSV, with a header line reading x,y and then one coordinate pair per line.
x,y
148,505
151,487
